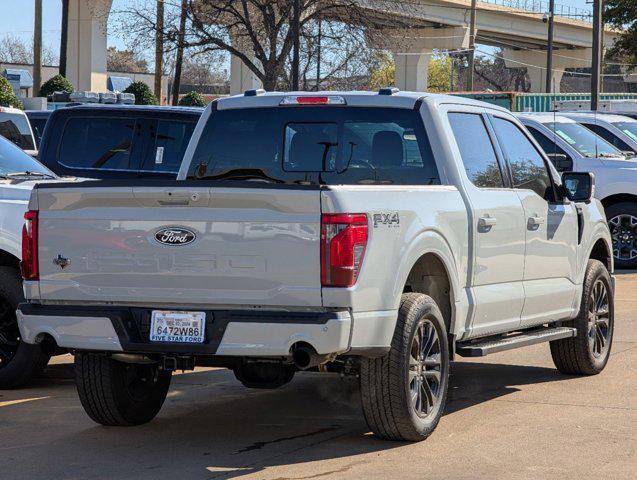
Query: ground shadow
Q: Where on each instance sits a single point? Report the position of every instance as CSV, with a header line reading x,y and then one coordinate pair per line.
x,y
212,427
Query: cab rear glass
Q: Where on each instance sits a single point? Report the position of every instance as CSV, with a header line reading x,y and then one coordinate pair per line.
x,y
316,145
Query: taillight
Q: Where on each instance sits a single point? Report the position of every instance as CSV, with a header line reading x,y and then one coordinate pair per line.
x,y
29,263
343,243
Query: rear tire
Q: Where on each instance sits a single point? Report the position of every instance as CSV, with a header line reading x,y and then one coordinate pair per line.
x,y
19,361
588,352
622,221
404,393
119,394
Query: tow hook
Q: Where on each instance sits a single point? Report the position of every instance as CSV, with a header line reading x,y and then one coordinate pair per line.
x,y
173,363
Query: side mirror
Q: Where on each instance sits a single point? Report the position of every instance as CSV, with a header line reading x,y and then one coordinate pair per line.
x,y
561,162
578,186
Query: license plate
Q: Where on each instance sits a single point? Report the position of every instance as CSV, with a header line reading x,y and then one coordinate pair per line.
x,y
177,327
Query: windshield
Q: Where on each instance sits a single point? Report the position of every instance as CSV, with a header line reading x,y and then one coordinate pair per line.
x,y
310,145
15,127
583,140
13,160
629,128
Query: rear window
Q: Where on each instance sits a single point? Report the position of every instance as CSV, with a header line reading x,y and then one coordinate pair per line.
x,y
306,145
97,143
169,140
15,128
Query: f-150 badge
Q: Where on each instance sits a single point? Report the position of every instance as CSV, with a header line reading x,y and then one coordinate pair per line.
x,y
175,236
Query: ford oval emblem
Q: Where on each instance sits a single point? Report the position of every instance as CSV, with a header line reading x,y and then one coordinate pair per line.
x,y
175,236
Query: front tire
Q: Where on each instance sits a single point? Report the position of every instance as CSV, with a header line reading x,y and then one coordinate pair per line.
x,y
588,352
119,394
404,393
19,361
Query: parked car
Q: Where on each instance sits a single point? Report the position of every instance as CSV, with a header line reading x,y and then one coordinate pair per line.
x,y
573,147
15,127
117,141
619,130
19,173
375,234
38,119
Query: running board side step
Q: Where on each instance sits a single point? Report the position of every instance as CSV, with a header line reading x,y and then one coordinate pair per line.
x,y
485,346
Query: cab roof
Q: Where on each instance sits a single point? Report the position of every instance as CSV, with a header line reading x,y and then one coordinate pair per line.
x,y
544,117
386,97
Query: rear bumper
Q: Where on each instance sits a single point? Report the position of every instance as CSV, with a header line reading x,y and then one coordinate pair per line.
x,y
228,332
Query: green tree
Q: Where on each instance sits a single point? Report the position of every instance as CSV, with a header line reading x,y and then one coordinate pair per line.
x,y
7,95
56,84
192,99
620,14
142,92
384,75
439,75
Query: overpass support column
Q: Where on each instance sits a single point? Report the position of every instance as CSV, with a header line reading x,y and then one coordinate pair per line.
x,y
241,77
86,44
535,63
412,49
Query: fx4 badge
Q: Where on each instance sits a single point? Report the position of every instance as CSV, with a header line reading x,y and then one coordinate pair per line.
x,y
391,219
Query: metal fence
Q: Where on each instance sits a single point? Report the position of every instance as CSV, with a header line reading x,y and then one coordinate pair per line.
x,y
541,6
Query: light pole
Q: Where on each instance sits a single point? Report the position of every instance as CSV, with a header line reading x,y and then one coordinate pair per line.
x,y
597,53
549,49
472,45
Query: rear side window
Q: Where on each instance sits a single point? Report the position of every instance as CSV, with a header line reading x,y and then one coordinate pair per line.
x,y
97,143
528,170
15,128
332,145
548,145
476,150
609,136
168,143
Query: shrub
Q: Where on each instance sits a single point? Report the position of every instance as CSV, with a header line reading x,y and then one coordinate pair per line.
x,y
142,92
192,99
56,84
7,95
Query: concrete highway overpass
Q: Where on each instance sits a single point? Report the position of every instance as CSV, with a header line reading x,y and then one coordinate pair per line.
x,y
411,29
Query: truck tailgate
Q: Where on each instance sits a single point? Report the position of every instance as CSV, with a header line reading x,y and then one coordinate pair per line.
x,y
181,245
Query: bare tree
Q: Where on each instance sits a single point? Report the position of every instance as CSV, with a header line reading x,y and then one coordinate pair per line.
x,y
159,48
125,61
181,41
258,32
16,50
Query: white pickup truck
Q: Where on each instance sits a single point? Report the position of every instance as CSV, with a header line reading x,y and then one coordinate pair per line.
x,y
372,234
19,173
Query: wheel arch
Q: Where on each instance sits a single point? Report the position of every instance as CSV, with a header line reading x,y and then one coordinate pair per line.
x,y
618,198
602,251
8,259
430,267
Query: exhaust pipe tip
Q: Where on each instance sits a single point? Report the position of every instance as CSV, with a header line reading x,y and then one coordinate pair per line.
x,y
305,357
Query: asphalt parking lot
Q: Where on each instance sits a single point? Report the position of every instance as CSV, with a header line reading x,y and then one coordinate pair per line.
x,y
510,415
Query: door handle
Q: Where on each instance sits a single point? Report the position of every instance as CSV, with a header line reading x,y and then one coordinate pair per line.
x,y
487,222
536,221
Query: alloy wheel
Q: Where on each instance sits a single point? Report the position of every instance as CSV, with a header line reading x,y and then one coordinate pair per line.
x,y
425,369
624,233
599,319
